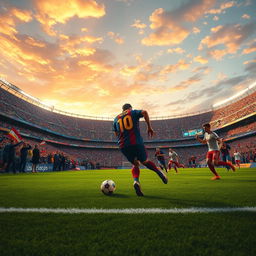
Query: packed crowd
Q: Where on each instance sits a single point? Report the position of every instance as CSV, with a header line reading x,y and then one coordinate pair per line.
x,y
101,130
95,143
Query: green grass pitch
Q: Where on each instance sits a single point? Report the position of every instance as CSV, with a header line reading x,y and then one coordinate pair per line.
x,y
230,233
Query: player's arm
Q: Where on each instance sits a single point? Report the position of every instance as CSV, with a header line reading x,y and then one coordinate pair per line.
x,y
203,141
146,117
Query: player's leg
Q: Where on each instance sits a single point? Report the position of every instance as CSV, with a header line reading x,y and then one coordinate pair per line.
x,y
225,159
164,165
136,174
238,163
217,162
150,165
170,165
175,165
160,164
142,157
209,162
130,154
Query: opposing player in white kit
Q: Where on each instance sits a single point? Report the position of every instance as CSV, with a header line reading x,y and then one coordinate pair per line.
x,y
174,160
213,154
238,157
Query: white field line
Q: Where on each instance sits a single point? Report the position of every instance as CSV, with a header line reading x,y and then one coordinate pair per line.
x,y
127,210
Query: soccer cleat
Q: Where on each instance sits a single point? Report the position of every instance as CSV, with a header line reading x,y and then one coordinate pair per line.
x,y
162,176
137,188
215,178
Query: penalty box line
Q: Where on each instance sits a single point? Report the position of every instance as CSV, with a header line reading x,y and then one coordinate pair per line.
x,y
127,210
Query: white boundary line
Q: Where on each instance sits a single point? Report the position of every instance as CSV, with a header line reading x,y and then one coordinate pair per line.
x,y
127,210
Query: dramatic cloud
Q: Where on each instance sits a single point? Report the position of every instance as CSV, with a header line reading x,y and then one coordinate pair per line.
x,y
222,7
172,27
231,37
51,12
10,20
91,56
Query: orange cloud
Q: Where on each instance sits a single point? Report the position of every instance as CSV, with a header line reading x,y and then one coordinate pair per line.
x,y
138,24
176,50
249,50
246,16
15,52
11,19
51,12
231,37
200,59
216,29
34,42
141,26
181,65
22,15
196,30
170,27
166,37
129,71
222,7
77,45
116,37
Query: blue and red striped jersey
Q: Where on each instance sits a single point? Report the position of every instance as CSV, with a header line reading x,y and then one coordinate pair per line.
x,y
126,126
159,155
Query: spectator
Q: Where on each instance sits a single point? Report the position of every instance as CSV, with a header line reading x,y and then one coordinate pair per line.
x,y
9,155
23,156
35,158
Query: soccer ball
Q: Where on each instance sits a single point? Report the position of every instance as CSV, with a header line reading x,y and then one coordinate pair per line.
x,y
108,187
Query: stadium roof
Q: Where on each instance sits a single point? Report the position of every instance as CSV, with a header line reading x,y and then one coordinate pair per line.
x,y
25,96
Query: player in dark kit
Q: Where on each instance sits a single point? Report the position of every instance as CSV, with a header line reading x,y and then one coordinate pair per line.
x,y
160,159
126,128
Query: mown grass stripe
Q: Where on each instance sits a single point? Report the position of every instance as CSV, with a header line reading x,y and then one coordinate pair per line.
x,y
127,210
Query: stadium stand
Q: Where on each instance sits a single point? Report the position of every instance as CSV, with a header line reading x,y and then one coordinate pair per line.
x,y
92,140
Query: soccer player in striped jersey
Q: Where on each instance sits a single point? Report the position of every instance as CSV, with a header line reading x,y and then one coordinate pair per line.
x,y
130,141
213,154
159,154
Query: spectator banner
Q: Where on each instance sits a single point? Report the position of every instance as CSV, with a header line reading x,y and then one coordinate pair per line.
x,y
13,134
39,168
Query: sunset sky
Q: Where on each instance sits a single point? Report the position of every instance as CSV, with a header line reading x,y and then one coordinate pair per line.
x,y
92,56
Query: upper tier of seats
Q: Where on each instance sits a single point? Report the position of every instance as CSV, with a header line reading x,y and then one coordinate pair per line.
x,y
172,128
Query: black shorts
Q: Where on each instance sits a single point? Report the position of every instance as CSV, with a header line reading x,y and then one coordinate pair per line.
x,y
135,152
161,162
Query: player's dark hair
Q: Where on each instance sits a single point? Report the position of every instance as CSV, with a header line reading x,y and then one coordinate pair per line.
x,y
126,106
207,125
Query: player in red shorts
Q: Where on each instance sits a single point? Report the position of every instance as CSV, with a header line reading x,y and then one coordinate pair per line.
x,y
174,160
238,157
213,154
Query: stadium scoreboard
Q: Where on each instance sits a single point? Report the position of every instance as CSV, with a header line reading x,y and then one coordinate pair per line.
x,y
192,132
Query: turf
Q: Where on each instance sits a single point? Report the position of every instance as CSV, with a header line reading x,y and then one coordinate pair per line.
x,y
114,234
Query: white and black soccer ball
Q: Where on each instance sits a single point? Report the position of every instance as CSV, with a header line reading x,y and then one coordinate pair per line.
x,y
108,187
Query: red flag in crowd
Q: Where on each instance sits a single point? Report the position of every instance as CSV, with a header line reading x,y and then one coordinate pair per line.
x,y
42,143
14,134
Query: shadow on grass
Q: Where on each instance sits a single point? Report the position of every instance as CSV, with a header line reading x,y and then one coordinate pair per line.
x,y
119,195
